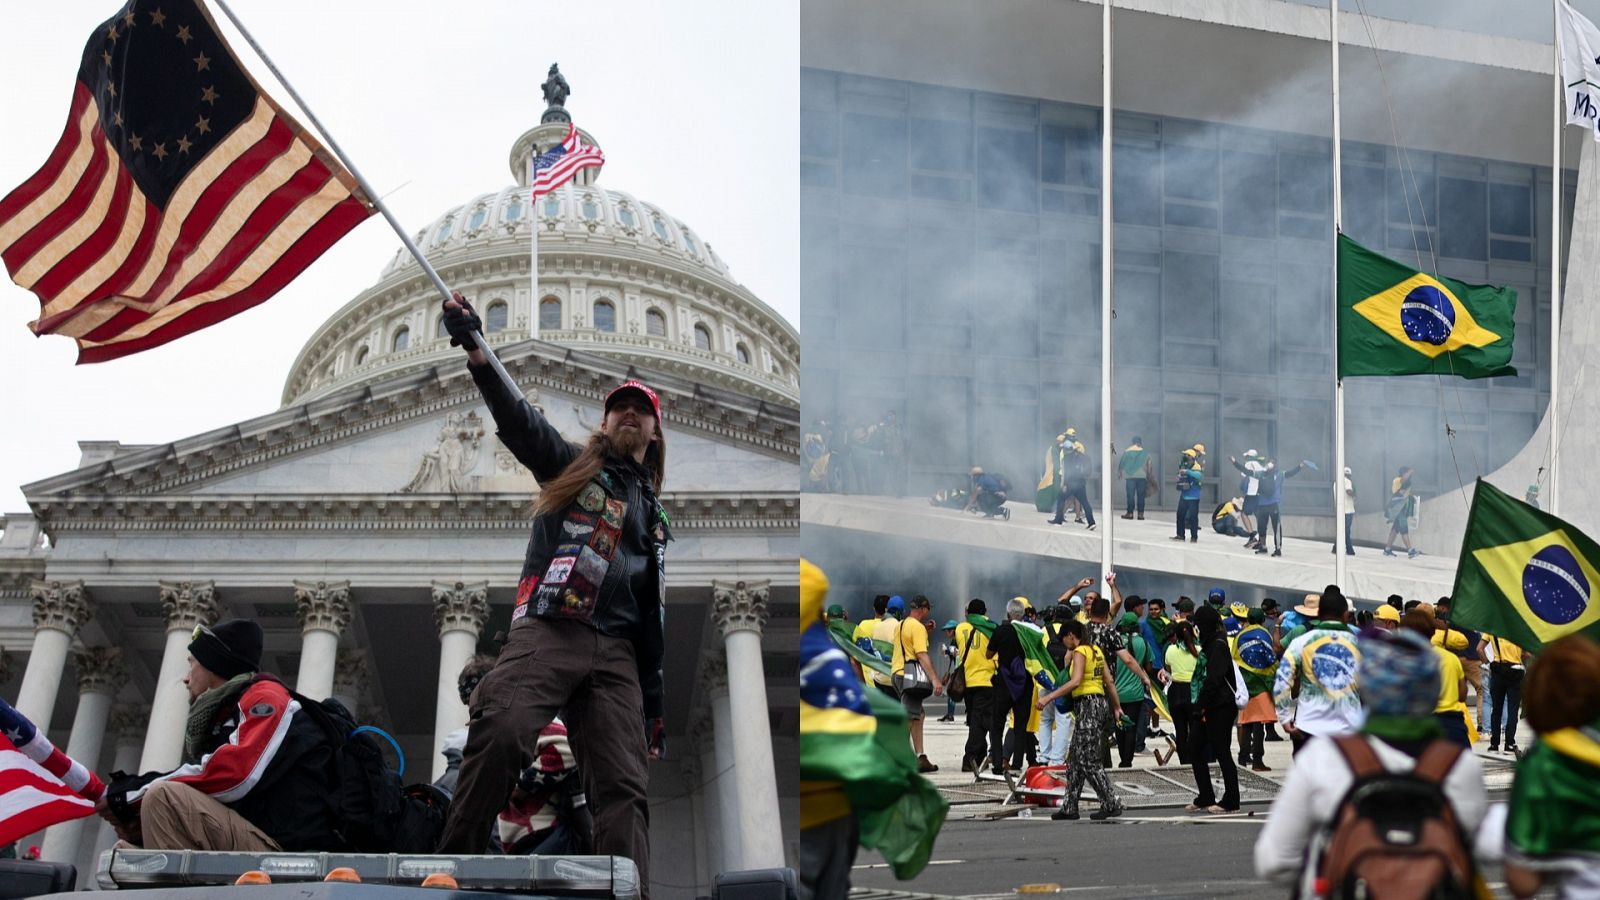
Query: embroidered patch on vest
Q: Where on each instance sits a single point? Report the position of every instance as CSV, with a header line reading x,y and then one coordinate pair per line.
x,y
560,569
263,709
604,540
592,497
613,514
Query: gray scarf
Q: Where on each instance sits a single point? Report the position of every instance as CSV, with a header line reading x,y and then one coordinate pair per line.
x,y
205,708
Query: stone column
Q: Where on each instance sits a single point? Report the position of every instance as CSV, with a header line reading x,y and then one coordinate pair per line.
x,y
724,766
187,604
708,813
324,611
740,611
59,608
127,727
348,678
100,673
461,611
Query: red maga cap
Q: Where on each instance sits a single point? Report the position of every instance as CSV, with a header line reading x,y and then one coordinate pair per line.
x,y
632,385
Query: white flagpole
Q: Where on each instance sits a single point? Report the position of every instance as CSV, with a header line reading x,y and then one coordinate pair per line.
x,y
1107,517
1554,497
533,253
372,195
1339,536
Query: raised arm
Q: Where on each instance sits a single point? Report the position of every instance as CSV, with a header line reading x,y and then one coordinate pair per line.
x,y
526,433
1083,584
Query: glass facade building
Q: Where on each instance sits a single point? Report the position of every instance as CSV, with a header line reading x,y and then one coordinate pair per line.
x,y
950,273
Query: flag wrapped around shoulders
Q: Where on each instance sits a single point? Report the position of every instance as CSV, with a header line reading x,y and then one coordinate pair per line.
x,y
39,785
180,193
1395,320
843,638
1524,574
855,749
552,168
1553,820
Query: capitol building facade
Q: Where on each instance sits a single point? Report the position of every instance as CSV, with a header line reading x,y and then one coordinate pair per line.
x,y
375,527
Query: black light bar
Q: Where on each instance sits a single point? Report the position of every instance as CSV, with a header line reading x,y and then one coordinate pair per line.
x,y
609,877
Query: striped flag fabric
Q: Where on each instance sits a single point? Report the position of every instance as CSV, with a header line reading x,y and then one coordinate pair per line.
x,y
39,785
552,168
178,195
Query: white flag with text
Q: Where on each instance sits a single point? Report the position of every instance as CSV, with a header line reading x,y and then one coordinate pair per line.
x,y
1580,68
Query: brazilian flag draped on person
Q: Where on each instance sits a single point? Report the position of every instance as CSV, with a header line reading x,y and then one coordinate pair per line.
x,y
1524,574
1553,821
843,637
855,749
1037,659
1395,320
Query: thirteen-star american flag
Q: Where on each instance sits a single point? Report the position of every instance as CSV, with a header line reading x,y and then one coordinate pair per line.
x,y
552,168
180,194
39,785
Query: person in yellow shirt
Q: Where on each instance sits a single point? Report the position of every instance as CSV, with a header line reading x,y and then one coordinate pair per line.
x,y
862,636
972,642
1507,666
1450,711
885,634
1095,708
914,676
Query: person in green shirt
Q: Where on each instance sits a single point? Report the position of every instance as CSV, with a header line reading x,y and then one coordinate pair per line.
x,y
1138,470
1130,686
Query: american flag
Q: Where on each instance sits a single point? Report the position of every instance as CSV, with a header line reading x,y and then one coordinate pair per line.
x,y
180,194
552,168
39,785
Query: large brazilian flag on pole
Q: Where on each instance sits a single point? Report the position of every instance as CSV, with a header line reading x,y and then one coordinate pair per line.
x,y
1524,575
1395,320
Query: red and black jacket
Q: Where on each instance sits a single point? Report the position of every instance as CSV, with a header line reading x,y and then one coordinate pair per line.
x,y
265,759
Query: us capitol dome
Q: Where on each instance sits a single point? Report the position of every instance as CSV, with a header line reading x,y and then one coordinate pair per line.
x,y
618,276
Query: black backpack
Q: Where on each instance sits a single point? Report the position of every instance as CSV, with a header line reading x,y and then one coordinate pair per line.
x,y
374,812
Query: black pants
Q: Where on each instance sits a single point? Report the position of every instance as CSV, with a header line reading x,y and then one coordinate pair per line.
x,y
1505,694
1078,491
1189,517
1002,706
1213,729
1268,512
978,700
1349,541
1135,488
1178,704
551,667
1126,735
1255,743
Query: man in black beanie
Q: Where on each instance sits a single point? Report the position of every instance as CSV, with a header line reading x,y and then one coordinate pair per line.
x,y
257,770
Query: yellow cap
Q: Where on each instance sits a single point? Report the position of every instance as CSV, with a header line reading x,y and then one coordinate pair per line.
x,y
1387,613
1190,453
1061,439
1025,602
1200,448
1078,446
813,590
1239,609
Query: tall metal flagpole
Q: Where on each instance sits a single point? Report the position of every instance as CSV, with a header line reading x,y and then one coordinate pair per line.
x,y
533,257
1339,536
377,202
1105,294
1554,499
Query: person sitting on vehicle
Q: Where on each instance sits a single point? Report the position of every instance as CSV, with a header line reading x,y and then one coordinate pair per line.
x,y
988,495
257,771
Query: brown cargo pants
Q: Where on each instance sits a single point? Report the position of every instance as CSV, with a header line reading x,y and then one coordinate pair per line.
x,y
176,816
546,667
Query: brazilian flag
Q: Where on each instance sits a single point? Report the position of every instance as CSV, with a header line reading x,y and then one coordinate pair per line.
x,y
1524,574
1394,320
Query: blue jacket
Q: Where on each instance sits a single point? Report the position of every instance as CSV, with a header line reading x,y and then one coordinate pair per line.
x,y
1271,491
1189,483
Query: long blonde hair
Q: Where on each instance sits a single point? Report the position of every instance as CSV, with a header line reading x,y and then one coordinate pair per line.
x,y
560,491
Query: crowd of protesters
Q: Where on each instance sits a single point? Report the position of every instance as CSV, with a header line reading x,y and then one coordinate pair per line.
x,y
1363,695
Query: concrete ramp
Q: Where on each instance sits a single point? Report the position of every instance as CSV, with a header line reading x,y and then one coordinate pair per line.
x,y
1146,546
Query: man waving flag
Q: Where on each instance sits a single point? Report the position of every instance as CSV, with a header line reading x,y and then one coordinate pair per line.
x,y
39,785
179,195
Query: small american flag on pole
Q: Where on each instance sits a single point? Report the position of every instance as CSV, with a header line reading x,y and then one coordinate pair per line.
x,y
552,168
180,193
39,785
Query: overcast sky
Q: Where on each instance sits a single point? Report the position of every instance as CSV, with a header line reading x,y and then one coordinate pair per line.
x,y
694,101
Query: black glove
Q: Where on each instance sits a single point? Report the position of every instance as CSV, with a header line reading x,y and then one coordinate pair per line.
x,y
462,324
